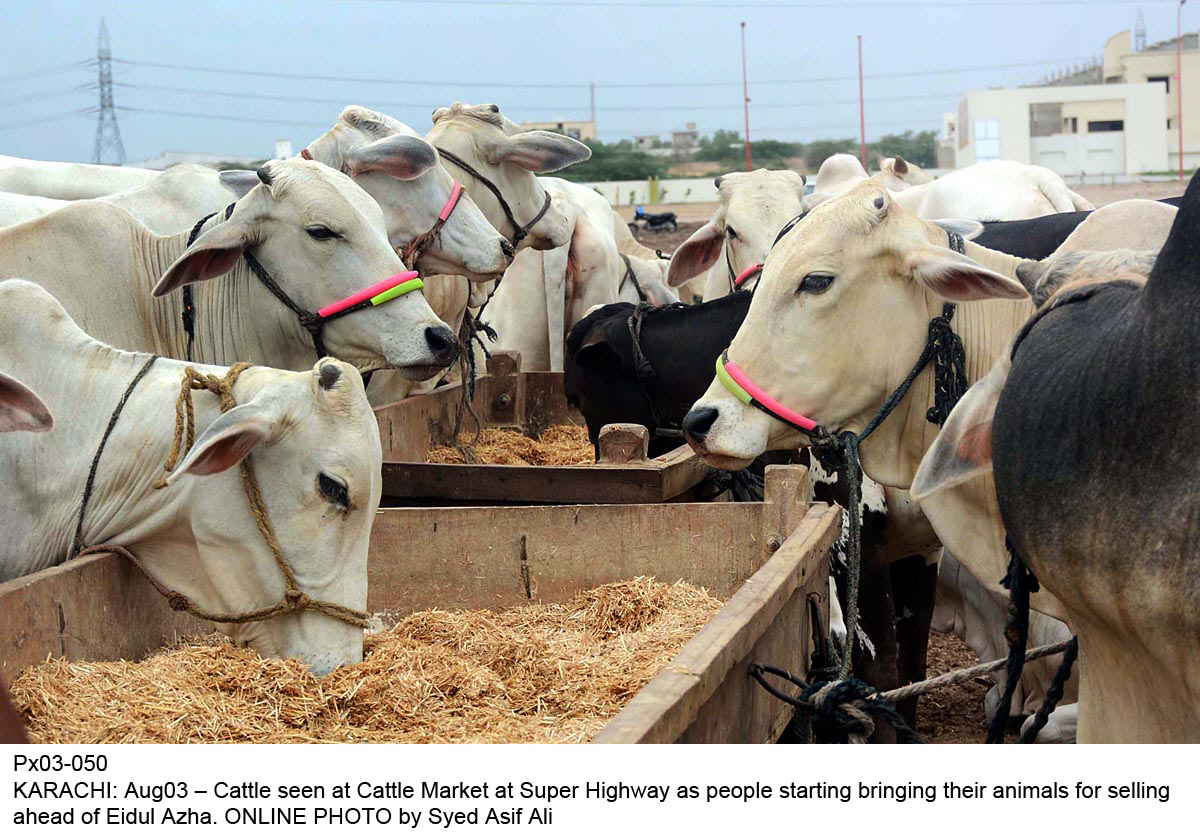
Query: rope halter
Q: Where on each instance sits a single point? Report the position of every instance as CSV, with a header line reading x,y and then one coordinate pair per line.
x,y
520,232
294,600
383,291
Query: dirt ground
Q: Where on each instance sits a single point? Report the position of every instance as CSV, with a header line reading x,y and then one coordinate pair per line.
x,y
953,715
1101,195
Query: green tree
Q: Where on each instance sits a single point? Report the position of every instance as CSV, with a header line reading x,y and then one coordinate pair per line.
x,y
617,161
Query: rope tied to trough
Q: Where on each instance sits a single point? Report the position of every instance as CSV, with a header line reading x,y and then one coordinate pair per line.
x,y
838,713
294,600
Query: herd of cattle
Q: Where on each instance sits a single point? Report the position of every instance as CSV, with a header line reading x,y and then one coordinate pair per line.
x,y
1076,325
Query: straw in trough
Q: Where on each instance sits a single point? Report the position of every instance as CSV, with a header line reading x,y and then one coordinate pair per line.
x,y
553,672
559,444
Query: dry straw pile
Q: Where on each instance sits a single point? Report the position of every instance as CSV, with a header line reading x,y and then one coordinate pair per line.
x,y
535,673
559,444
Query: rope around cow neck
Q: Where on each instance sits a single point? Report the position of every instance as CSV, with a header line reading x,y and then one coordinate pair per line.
x,y
294,599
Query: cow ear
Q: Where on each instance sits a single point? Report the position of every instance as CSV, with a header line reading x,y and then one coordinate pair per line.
x,y
538,151
699,252
227,441
400,155
213,254
963,450
967,229
955,277
21,409
597,355
899,166
239,181
1031,273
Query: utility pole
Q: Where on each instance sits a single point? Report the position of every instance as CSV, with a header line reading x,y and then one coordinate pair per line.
x,y
592,92
746,98
108,135
862,110
1179,82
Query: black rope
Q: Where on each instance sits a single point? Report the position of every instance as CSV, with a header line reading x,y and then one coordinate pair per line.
x,y
519,231
825,703
189,304
1021,582
89,485
630,276
1053,694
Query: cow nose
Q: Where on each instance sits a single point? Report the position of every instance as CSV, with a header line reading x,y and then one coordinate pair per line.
x,y
697,423
443,345
507,250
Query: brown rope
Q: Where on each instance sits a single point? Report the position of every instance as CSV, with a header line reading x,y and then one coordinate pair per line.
x,y
294,599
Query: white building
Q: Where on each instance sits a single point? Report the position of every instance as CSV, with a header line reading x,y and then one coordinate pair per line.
x,y
1076,130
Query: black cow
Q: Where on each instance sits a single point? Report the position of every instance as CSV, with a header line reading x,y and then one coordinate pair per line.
x,y
1035,238
1096,453
680,345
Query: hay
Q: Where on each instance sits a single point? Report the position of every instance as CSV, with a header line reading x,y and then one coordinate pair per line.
x,y
559,444
550,673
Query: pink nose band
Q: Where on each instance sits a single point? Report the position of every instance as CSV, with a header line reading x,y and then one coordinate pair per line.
x,y
377,294
745,390
455,194
747,273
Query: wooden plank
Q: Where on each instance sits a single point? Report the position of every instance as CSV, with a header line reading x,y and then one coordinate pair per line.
x,y
505,484
706,694
483,557
93,608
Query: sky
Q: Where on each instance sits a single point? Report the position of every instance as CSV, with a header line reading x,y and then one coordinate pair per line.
x,y
534,58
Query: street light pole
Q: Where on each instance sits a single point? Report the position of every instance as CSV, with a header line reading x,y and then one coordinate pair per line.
x,y
1179,82
862,112
746,98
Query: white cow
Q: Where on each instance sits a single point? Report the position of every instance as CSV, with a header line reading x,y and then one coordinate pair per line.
x,y
316,455
320,237
544,293
645,280
68,181
755,206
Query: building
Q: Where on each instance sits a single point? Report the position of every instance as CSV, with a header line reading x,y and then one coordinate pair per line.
x,y
1117,116
645,142
685,141
580,129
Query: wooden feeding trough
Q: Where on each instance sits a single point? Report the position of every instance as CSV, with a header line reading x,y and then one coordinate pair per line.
x,y
769,559
529,402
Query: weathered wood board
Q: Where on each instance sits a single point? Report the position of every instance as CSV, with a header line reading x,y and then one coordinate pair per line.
x,y
528,401
705,695
93,608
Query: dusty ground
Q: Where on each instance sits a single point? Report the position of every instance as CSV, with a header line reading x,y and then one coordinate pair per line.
x,y
1101,195
953,715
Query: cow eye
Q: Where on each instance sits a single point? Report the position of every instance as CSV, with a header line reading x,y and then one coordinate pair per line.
x,y
731,232
815,283
321,232
334,490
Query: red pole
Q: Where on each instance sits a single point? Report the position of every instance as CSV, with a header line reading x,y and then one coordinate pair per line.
x,y
1179,82
862,113
746,98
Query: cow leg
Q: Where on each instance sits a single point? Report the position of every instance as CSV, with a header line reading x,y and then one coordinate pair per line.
x,y
914,582
877,618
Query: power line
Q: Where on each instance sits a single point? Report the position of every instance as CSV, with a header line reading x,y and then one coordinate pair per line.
x,y
222,117
52,94
49,71
585,85
769,4
50,117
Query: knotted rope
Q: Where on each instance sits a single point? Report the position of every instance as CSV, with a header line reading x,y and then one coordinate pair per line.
x,y
294,599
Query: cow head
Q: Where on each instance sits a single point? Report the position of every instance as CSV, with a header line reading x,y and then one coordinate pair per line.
x,y
838,320
400,170
315,448
322,238
21,409
754,207
507,156
651,275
